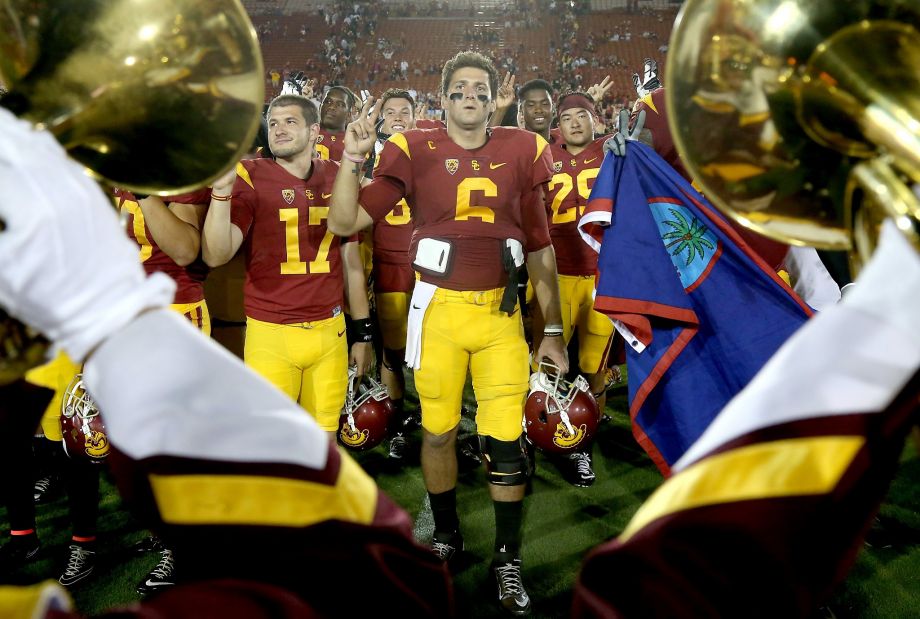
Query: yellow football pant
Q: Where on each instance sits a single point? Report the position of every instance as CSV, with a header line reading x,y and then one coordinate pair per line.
x,y
465,331
306,360
595,331
392,315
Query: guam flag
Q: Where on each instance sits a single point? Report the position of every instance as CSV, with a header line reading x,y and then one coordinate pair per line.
x,y
700,311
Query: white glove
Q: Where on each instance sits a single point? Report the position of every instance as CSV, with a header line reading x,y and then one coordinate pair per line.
x,y
616,143
67,267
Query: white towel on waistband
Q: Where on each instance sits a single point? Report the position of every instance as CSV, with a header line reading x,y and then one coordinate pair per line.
x,y
421,298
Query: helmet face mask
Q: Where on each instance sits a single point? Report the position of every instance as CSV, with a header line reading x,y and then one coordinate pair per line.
x,y
368,411
82,427
559,417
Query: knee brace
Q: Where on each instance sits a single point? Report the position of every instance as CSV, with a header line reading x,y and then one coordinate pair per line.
x,y
507,463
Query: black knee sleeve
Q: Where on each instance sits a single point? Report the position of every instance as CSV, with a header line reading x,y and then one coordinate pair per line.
x,y
506,461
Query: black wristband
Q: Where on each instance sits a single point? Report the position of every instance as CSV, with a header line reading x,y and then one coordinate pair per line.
x,y
362,330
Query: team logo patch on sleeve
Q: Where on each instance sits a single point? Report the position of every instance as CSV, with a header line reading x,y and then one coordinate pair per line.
x,y
288,195
557,166
452,165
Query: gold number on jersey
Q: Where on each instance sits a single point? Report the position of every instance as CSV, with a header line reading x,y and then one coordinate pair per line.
x,y
140,231
322,151
465,189
320,264
294,265
400,214
564,181
583,190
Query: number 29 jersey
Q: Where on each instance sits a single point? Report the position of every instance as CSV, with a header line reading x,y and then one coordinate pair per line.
x,y
566,200
293,263
474,199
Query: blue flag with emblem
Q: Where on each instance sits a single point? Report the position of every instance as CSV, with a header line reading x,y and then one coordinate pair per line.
x,y
700,311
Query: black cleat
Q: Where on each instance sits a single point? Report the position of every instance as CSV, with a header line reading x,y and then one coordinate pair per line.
x,y
399,447
512,596
18,552
160,577
80,564
46,489
148,544
447,545
577,469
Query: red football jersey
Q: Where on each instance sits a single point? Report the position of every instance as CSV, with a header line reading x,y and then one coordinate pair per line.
x,y
293,263
330,145
565,204
474,199
392,237
189,279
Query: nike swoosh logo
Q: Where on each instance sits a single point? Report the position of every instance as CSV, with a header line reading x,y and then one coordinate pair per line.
x,y
341,332
156,583
416,307
329,195
495,166
587,161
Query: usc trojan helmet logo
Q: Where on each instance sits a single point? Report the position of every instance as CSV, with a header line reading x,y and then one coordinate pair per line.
x,y
365,420
567,437
81,424
558,415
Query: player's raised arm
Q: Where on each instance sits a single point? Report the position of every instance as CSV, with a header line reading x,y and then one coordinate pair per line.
x,y
346,217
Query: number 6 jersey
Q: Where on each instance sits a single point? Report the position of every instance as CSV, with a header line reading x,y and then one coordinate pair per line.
x,y
472,198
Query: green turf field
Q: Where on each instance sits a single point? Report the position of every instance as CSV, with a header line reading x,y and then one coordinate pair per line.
x,y
562,523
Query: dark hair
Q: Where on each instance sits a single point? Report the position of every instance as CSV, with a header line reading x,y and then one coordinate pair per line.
x,y
397,93
537,84
306,106
350,97
469,59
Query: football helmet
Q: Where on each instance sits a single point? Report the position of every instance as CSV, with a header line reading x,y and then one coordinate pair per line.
x,y
367,414
81,424
559,417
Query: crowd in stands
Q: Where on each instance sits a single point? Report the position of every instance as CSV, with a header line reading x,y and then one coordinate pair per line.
x,y
375,46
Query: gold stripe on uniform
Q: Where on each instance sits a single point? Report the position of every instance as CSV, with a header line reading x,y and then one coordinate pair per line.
x,y
792,467
262,500
400,140
541,144
243,173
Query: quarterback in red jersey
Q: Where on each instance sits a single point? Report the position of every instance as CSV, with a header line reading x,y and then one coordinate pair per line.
x,y
297,271
477,204
576,163
336,111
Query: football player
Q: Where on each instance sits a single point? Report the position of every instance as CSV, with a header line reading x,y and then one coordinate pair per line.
x,y
476,196
336,111
297,271
393,275
577,158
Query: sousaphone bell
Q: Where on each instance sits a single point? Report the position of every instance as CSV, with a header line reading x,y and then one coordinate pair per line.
x,y
155,96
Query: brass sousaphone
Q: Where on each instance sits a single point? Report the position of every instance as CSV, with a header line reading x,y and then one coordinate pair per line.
x,y
801,120
155,96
